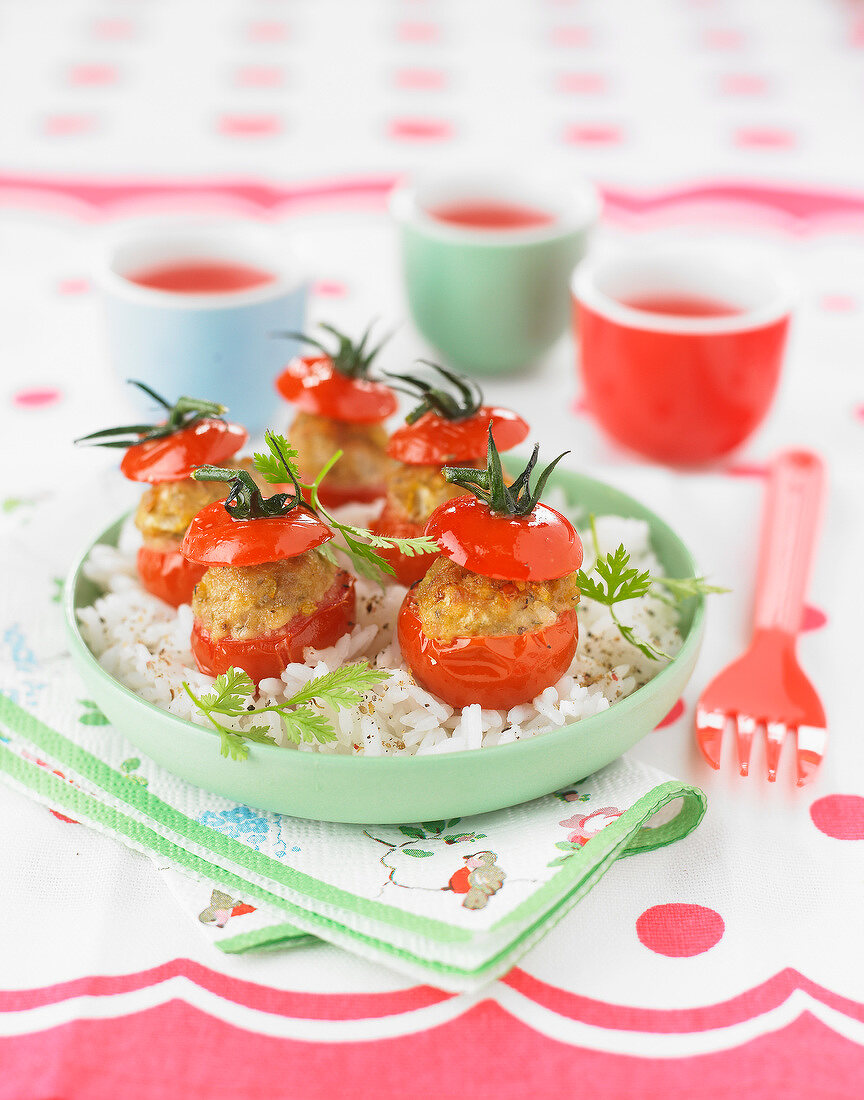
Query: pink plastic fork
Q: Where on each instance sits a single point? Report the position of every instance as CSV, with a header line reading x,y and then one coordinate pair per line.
x,y
766,686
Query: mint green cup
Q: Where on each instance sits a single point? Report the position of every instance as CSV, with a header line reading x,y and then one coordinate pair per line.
x,y
491,301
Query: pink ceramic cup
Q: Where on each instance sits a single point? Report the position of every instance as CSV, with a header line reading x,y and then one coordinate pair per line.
x,y
680,349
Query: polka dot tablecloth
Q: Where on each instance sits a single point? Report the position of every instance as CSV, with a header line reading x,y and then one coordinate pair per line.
x,y
728,962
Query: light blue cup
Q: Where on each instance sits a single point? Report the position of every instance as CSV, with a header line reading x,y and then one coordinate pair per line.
x,y
217,346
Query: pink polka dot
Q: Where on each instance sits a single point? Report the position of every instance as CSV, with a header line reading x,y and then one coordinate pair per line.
x,y
722,38
267,31
763,137
582,83
425,79
329,288
36,398
579,406
838,303
259,76
599,134
743,84
840,816
249,125
680,931
113,30
859,412
569,37
91,75
673,715
813,618
74,285
417,32
856,34
419,129
68,125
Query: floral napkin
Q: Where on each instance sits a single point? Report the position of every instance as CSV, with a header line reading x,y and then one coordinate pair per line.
x,y
451,902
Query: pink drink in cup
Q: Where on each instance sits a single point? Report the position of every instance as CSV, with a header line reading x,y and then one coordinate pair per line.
x,y
680,351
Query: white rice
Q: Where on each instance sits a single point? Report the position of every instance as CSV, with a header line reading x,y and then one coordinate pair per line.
x,y
144,644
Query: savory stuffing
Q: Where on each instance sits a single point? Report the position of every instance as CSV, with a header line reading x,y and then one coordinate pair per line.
x,y
363,462
453,602
248,601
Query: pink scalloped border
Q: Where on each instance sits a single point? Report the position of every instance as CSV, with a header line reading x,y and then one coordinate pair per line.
x,y
797,210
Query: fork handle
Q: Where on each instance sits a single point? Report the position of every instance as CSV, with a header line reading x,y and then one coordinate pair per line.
x,y
790,527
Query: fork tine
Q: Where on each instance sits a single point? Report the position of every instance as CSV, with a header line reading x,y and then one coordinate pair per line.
x,y
745,726
775,733
811,747
709,733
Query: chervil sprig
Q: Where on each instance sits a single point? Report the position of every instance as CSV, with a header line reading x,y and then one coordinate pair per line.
x,y
620,581
277,465
233,690
185,412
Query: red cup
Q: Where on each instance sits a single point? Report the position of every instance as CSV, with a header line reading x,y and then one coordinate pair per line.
x,y
680,350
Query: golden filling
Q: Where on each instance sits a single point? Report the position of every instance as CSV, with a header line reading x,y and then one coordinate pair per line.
x,y
364,461
455,603
416,491
167,509
246,602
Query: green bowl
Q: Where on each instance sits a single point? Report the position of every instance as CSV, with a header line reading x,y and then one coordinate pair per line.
x,y
392,790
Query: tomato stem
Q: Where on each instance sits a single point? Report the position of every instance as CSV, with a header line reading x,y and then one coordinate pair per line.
x,y
185,412
350,358
489,485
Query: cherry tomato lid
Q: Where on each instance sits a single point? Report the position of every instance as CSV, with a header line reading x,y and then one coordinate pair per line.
x,y
214,538
433,440
315,386
540,546
174,457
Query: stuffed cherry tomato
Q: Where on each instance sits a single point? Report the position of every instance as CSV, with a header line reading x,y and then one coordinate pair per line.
x,y
494,620
450,426
339,408
267,591
163,457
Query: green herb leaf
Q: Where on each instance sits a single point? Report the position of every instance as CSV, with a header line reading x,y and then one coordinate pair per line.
x,y
683,587
630,635
230,695
274,465
305,724
409,547
619,580
343,687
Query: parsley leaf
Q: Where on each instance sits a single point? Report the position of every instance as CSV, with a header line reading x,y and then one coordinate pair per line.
x,y
618,579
